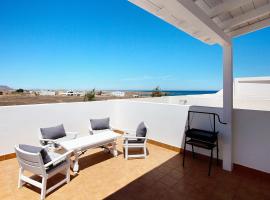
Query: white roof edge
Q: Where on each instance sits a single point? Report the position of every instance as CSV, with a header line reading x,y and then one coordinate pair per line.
x,y
194,20
259,78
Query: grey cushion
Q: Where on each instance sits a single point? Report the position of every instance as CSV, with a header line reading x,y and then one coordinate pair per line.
x,y
135,141
141,131
100,124
55,167
33,149
53,132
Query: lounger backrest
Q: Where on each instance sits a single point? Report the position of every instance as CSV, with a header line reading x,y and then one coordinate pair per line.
x,y
30,161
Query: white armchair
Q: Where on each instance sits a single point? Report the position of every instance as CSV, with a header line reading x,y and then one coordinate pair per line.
x,y
54,135
99,125
135,139
32,159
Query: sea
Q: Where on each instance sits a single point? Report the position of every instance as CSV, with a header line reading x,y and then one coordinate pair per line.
x,y
178,92
188,92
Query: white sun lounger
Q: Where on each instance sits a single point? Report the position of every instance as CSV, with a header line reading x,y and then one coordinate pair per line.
x,y
78,145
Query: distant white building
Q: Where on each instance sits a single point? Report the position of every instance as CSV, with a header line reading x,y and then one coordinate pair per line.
x,y
72,93
47,93
135,96
118,93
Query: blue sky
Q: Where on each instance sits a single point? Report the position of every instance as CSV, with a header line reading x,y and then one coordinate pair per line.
x,y
112,44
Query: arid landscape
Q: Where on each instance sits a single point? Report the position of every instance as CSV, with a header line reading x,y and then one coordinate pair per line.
x,y
8,100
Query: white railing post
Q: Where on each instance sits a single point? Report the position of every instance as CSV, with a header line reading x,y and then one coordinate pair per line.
x,y
227,106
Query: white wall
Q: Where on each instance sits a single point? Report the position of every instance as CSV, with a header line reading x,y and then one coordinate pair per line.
x,y
252,87
166,122
251,128
251,139
20,124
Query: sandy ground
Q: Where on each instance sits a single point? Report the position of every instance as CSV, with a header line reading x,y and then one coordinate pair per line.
x,y
7,100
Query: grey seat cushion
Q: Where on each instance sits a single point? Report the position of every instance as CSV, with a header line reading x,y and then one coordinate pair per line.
x,y
34,149
141,131
135,141
55,167
53,132
100,124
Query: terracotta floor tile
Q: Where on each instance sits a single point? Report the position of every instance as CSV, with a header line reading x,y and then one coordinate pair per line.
x,y
160,176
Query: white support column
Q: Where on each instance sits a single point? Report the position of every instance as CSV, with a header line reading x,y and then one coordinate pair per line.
x,y
227,106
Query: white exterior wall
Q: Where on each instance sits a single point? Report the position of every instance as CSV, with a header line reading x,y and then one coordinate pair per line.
x,y
20,124
166,122
253,87
251,137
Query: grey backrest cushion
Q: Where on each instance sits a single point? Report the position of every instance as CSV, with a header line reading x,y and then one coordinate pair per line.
x,y
53,132
34,149
100,124
141,130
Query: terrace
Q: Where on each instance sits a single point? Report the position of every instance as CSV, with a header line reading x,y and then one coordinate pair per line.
x,y
160,176
244,146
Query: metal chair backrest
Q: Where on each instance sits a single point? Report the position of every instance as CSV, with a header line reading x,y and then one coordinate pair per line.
x,y
215,115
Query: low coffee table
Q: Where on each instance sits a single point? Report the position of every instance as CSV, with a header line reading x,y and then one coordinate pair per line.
x,y
80,144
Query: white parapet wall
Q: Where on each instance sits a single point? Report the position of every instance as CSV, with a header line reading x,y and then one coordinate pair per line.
x,y
167,122
20,124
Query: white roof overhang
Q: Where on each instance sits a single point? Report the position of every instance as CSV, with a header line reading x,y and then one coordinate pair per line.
x,y
211,21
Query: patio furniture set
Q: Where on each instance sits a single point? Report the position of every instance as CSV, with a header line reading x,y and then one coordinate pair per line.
x,y
46,161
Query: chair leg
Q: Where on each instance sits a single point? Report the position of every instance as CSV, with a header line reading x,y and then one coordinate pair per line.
x,y
217,153
184,153
144,151
193,153
68,174
210,163
126,152
43,189
20,181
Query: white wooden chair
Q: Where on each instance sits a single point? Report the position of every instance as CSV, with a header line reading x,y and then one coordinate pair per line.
x,y
104,125
33,162
132,140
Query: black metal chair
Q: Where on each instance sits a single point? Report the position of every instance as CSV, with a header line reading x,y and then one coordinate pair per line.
x,y
202,138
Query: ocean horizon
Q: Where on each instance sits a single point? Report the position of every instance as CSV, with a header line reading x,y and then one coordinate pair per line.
x,y
177,92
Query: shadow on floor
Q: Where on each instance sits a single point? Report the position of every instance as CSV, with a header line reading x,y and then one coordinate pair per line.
x,y
84,162
171,181
95,158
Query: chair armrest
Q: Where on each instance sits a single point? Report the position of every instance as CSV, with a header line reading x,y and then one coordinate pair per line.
x,y
65,155
47,140
46,147
90,129
125,136
129,131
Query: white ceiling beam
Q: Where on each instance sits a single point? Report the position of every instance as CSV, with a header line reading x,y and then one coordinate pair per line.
x,y
202,18
251,28
227,6
203,6
187,16
148,5
253,14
